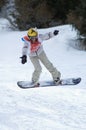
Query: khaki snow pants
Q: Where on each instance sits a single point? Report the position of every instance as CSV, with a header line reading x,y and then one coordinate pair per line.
x,y
43,58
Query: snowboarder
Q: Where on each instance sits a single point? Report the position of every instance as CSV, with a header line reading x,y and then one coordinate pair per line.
x,y
33,45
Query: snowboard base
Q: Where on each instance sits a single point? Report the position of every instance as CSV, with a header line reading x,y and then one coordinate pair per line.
x,y
63,82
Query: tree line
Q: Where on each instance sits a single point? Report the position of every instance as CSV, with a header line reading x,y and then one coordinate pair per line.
x,y
50,13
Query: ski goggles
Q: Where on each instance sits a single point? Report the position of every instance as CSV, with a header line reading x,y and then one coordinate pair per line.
x,y
32,38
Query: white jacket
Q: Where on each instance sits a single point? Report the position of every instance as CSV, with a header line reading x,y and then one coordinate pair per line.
x,y
27,44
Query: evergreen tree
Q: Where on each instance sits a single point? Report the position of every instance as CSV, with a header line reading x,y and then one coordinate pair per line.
x,y
2,2
27,11
62,7
81,12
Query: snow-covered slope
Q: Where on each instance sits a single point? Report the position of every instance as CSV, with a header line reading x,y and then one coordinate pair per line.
x,y
55,108
5,25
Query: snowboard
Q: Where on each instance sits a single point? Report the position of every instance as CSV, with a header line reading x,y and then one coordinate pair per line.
x,y
63,82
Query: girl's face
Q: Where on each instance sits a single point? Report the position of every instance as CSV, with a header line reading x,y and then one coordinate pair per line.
x,y
33,38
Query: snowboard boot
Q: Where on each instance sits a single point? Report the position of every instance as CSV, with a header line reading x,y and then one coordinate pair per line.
x,y
35,84
57,81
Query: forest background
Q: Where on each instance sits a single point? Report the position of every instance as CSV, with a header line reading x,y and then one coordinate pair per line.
x,y
24,14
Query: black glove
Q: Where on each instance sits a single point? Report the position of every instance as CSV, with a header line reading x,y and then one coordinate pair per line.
x,y
56,32
23,59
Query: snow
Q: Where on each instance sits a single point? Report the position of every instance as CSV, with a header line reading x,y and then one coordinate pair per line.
x,y
50,108
4,25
